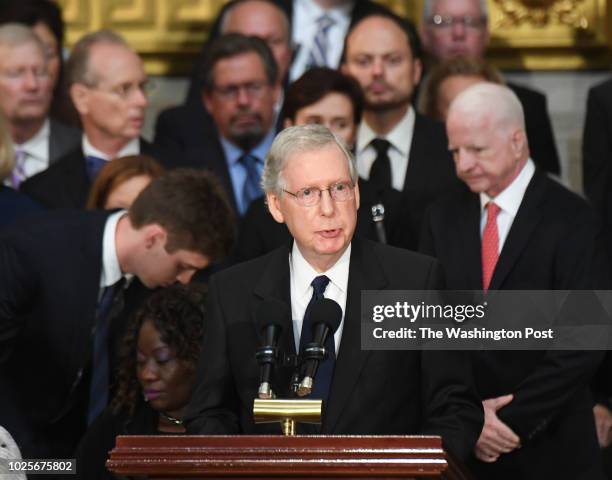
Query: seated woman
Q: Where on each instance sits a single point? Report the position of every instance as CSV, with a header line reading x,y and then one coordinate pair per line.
x,y
155,378
330,98
13,205
121,180
450,78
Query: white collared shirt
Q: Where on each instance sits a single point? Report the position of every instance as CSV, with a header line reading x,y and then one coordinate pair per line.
x,y
301,276
509,201
305,16
130,148
400,139
36,151
111,270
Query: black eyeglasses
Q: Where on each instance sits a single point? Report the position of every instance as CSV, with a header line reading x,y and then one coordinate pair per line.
x,y
311,196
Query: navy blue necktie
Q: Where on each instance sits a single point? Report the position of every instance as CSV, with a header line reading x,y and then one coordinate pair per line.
x,y
323,378
252,188
110,303
93,165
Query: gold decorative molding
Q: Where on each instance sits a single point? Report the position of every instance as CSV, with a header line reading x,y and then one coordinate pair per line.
x,y
532,34
549,34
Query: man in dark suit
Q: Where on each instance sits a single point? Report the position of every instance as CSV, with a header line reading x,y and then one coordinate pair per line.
x,y
240,91
25,99
330,98
58,274
452,28
108,86
597,152
319,28
519,230
310,182
188,125
396,146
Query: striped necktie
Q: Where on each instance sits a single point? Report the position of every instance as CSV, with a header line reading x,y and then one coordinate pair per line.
x,y
18,174
320,44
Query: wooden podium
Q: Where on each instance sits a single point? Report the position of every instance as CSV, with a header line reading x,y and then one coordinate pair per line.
x,y
279,457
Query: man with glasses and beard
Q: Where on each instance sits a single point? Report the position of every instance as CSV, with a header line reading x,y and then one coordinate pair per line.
x,y
239,89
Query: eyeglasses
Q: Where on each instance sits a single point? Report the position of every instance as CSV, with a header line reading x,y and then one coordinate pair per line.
x,y
311,196
448,21
126,90
231,92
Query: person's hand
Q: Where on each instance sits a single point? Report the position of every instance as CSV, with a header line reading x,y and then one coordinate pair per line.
x,y
496,437
603,424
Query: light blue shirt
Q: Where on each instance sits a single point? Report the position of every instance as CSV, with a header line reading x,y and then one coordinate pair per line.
x,y
237,171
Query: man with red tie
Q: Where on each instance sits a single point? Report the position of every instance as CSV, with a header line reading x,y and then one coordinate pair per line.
x,y
519,230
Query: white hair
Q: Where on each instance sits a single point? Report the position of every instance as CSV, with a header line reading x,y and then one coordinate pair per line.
x,y
428,8
16,34
492,99
299,139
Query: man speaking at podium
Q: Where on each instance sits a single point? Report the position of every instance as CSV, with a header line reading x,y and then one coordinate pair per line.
x,y
310,182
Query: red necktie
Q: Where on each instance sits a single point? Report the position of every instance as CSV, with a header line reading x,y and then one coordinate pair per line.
x,y
490,245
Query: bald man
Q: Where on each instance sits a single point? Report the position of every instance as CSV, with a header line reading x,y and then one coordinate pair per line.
x,y
516,229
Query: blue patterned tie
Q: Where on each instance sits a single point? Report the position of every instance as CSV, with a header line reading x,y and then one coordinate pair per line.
x,y
323,378
320,44
252,188
110,303
93,165
18,174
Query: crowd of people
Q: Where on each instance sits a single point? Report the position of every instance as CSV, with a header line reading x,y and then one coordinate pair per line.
x,y
325,147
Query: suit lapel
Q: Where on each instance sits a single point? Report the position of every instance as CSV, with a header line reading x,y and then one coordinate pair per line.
x,y
527,218
364,274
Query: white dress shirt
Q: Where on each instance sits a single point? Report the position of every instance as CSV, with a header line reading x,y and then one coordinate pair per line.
x,y
305,16
400,139
111,270
130,148
301,276
509,201
36,151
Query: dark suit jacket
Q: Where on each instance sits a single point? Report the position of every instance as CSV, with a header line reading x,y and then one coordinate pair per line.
x,y
49,290
372,392
210,155
554,244
65,184
597,154
430,175
62,140
542,146
15,206
260,233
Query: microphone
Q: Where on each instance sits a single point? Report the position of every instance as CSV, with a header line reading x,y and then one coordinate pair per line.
x,y
325,316
270,317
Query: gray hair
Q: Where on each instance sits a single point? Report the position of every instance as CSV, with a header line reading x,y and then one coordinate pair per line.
x,y
227,11
7,154
428,8
490,98
77,68
17,34
299,139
